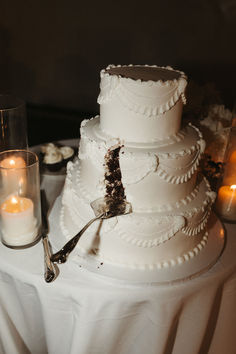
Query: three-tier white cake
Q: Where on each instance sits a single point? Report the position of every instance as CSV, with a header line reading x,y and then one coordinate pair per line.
x,y
140,112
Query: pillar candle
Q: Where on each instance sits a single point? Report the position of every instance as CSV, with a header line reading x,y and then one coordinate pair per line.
x,y
226,202
13,175
18,224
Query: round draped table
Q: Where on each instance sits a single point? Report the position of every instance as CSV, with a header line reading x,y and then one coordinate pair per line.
x,y
82,312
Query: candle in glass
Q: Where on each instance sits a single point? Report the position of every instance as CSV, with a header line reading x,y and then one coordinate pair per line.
x,y
18,223
13,174
20,211
13,132
226,202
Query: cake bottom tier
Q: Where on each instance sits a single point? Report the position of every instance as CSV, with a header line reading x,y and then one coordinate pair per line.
x,y
139,240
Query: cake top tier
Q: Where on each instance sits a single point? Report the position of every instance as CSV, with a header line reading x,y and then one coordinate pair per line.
x,y
144,73
141,103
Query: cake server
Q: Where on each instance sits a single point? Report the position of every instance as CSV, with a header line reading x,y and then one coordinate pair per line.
x,y
101,211
51,270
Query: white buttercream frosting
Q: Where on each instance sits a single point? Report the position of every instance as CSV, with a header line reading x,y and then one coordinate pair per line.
x,y
143,110
66,151
146,231
140,111
52,155
158,96
47,147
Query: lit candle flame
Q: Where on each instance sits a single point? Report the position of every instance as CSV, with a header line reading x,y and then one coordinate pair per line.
x,y
233,187
14,200
16,204
222,233
12,162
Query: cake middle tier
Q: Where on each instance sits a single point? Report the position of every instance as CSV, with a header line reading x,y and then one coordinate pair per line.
x,y
155,176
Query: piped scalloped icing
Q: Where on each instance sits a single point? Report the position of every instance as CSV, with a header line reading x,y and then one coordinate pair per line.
x,y
139,230
158,167
145,102
151,104
83,190
90,129
140,160
145,263
175,261
137,165
157,229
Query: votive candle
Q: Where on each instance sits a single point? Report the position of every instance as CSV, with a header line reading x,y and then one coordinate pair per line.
x,y
226,202
18,224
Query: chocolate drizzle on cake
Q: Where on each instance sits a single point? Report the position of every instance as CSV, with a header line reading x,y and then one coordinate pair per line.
x,y
115,194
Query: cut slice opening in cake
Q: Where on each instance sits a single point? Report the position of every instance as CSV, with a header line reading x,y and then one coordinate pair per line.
x,y
115,193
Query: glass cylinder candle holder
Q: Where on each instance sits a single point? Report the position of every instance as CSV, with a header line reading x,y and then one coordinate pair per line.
x,y
20,207
13,123
225,204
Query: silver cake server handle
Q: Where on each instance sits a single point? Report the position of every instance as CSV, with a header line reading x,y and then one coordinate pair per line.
x,y
62,255
101,210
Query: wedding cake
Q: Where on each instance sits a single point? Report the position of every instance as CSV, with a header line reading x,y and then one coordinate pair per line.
x,y
138,150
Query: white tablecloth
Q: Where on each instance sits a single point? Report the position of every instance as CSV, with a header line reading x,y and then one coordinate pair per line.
x,y
84,313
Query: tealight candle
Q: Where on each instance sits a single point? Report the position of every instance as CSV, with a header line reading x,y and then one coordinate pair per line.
x,y
18,224
226,202
13,174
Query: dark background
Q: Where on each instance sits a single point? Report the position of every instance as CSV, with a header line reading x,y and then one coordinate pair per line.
x,y
51,52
